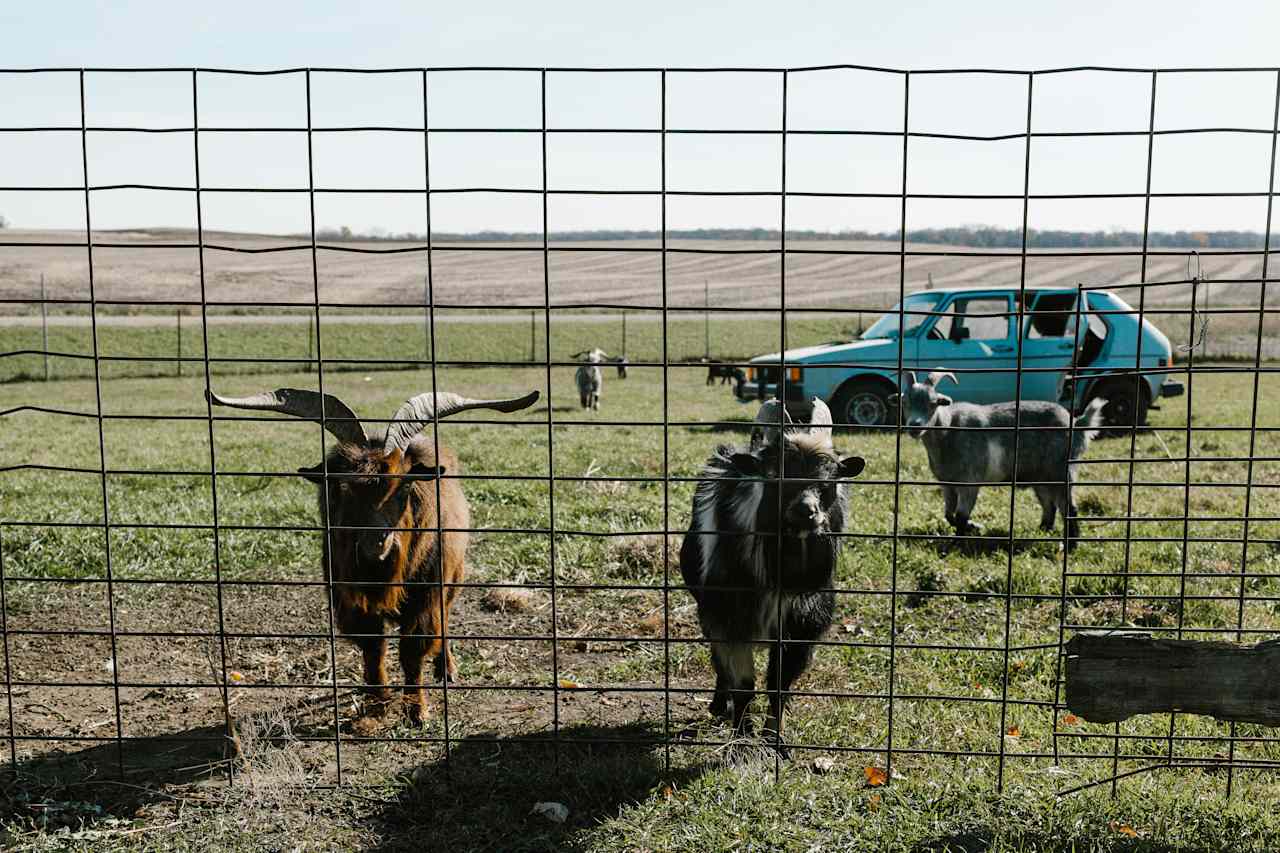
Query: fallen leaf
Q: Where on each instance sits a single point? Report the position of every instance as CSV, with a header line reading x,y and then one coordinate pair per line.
x,y
567,684
823,764
667,792
1014,731
874,802
875,776
235,676
1123,829
1070,720
554,812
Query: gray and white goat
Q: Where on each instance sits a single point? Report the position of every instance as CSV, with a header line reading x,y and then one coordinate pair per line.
x,y
965,453
590,378
735,567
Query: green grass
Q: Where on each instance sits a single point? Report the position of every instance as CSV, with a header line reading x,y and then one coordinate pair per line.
x,y
138,351
627,797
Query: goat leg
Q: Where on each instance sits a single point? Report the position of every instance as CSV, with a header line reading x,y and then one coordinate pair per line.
x,y
367,631
787,662
413,651
720,702
733,661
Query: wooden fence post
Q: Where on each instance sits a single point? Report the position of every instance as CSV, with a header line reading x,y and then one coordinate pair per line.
x,y
1114,675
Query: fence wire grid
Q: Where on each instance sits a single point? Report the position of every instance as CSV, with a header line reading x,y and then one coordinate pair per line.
x,y
1137,565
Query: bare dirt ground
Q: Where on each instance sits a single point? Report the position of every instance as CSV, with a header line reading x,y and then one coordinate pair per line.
x,y
136,267
172,714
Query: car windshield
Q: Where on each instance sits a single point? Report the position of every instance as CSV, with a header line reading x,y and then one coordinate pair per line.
x,y
887,326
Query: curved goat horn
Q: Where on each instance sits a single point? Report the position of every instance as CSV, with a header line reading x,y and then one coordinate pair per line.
x,y
417,412
772,413
936,377
820,422
337,417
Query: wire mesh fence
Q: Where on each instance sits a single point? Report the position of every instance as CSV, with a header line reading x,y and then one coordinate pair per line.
x,y
161,573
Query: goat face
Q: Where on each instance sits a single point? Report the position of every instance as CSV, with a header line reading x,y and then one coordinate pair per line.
x,y
810,488
370,504
922,399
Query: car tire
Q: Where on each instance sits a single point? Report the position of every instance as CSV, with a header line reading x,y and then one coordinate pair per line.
x,y
1125,408
863,404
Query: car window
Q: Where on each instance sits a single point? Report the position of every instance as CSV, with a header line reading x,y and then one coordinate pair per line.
x,y
1053,316
915,314
975,318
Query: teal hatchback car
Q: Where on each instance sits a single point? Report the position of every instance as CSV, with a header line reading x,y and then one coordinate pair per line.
x,y
973,332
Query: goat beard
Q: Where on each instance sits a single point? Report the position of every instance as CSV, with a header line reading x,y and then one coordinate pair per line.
x,y
378,588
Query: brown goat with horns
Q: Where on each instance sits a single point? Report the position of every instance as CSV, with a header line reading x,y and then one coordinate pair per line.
x,y
382,556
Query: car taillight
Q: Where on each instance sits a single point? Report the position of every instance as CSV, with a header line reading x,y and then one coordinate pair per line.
x,y
751,374
794,374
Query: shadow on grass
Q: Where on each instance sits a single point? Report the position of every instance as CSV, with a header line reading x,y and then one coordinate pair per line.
x,y
77,787
542,410
740,425
991,540
482,798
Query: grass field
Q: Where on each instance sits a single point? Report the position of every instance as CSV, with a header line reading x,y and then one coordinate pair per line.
x,y
354,346
643,792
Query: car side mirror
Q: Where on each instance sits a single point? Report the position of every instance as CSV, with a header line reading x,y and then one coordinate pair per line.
x,y
959,333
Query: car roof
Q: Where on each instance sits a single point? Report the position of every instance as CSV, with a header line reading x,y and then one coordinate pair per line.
x,y
1008,288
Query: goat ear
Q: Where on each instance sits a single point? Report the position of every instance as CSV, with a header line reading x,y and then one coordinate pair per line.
x,y
747,464
424,472
943,400
314,474
851,466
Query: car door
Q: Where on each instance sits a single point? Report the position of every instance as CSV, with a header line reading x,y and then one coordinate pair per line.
x,y
974,332
1047,343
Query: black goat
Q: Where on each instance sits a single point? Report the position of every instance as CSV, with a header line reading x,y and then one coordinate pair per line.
x,y
734,568
724,372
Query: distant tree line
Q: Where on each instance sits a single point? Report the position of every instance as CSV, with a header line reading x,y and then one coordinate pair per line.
x,y
975,236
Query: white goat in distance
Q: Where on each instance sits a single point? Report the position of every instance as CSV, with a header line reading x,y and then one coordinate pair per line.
x,y
590,378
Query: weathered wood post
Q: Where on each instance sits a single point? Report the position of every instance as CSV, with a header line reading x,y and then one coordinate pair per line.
x,y
1114,675
178,314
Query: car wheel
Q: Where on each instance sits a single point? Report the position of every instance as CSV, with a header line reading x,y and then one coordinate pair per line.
x,y
864,403
1125,408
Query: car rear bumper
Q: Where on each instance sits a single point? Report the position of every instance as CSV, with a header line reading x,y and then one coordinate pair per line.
x,y
751,391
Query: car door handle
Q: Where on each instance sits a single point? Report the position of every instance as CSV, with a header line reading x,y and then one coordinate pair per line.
x,y
1005,348
1066,347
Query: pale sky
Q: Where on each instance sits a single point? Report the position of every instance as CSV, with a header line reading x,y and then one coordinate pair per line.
x,y
914,35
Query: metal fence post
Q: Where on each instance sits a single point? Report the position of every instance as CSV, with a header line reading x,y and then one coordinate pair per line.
x,y
311,334
44,329
706,318
178,314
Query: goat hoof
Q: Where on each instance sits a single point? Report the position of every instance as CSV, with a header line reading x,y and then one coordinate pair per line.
x,y
367,725
446,670
376,703
416,712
